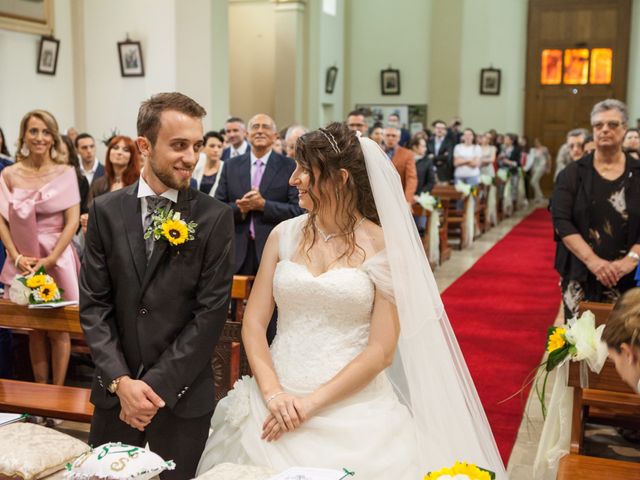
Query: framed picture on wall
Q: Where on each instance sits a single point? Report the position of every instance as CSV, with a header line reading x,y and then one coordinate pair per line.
x,y
489,81
48,55
29,16
390,81
131,64
330,81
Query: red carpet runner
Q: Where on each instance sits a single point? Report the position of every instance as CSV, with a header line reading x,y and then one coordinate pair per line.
x,y
500,310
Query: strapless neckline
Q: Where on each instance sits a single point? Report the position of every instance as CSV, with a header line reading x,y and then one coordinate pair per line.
x,y
334,269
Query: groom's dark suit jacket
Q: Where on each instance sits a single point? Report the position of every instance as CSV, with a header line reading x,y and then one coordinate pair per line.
x,y
281,199
157,321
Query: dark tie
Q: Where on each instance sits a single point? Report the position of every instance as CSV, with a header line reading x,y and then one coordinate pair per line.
x,y
153,204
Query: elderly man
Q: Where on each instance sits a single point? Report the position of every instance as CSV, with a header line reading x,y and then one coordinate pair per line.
x,y
596,215
356,121
294,132
256,186
236,138
573,150
402,159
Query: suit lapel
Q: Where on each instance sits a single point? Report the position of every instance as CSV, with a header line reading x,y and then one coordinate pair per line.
x,y
133,225
270,172
160,246
244,169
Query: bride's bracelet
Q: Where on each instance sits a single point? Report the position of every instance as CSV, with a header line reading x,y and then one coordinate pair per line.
x,y
17,261
274,396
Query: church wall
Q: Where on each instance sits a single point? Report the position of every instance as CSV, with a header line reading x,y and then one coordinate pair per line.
x,y
633,85
22,89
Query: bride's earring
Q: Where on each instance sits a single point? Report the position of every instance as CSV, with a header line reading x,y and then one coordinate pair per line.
x,y
24,151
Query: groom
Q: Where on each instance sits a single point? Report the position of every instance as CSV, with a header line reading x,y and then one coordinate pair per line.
x,y
152,311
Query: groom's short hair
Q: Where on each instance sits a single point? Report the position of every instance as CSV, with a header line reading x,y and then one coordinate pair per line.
x,y
150,111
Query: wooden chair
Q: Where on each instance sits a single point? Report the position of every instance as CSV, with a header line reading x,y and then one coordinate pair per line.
x,y
456,218
607,400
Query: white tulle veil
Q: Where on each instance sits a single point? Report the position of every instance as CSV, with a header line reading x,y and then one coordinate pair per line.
x,y
429,371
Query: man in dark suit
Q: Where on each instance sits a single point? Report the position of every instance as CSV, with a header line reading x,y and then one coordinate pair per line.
x,y
256,186
90,167
440,150
235,134
152,311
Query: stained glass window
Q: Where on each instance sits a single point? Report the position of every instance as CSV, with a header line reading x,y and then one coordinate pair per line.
x,y
551,72
601,63
576,66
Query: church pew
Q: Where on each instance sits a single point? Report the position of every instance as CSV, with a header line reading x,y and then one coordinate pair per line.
x,y
418,211
456,218
574,467
607,400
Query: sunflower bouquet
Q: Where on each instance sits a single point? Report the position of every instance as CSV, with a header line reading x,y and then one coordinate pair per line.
x,y
167,224
461,471
577,340
35,289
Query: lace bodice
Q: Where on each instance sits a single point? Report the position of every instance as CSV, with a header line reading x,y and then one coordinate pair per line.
x,y
323,321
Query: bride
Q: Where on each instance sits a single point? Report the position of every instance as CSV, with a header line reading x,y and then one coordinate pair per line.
x,y
365,372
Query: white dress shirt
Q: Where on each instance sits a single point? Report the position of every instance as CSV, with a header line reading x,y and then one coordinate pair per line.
x,y
234,152
144,191
91,172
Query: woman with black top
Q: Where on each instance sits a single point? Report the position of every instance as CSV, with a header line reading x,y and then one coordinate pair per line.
x,y
596,215
207,172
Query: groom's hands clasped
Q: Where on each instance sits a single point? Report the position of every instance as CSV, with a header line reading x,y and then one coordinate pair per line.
x,y
138,402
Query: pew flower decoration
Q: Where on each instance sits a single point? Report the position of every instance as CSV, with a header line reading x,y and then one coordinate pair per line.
x,y
578,340
503,174
486,180
167,224
428,201
35,289
463,188
461,471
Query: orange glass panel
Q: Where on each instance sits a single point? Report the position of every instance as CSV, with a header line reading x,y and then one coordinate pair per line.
x,y
601,63
551,71
576,66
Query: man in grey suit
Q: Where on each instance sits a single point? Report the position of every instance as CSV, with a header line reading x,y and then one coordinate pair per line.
x,y
152,310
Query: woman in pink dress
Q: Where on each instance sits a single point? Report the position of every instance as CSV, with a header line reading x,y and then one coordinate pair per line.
x,y
39,212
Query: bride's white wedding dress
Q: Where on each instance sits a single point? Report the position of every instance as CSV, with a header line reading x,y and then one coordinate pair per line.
x,y
323,323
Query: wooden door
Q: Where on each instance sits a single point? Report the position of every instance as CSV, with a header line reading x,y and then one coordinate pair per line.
x,y
552,110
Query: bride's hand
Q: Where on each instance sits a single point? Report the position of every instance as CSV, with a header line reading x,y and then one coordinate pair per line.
x,y
283,408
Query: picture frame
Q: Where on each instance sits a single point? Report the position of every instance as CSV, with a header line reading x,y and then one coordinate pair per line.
x,y
131,62
390,81
412,117
27,16
490,81
48,56
330,80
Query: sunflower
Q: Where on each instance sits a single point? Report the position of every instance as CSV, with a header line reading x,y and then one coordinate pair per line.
x,y
460,468
48,292
36,280
175,231
556,340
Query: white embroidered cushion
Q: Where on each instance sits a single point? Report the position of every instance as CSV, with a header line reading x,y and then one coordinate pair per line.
x,y
231,471
116,461
31,451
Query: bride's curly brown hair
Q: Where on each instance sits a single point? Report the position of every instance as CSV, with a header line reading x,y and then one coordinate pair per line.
x,y
323,153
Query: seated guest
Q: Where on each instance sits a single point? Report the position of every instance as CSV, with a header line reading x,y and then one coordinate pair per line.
x,y
631,143
39,210
402,159
466,159
207,171
440,149
235,137
596,215
622,336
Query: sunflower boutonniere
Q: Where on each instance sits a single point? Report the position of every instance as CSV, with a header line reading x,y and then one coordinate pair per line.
x,y
167,224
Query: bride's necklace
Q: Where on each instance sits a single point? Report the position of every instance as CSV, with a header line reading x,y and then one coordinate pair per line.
x,y
326,237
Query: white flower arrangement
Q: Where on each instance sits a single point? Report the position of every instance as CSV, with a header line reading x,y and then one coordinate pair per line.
x,y
503,174
463,188
486,180
427,201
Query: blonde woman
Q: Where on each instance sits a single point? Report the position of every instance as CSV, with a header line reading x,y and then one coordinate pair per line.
x,y
39,212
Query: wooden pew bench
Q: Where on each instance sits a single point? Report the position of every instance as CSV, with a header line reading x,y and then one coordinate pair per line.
x,y
456,218
574,467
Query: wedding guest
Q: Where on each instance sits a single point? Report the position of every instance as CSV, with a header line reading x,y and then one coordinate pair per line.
x,y
89,164
377,133
426,173
622,336
235,137
509,159
278,146
294,132
69,156
596,215
403,160
207,172
440,148
466,159
540,165
39,210
631,143
487,155
589,145
357,121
